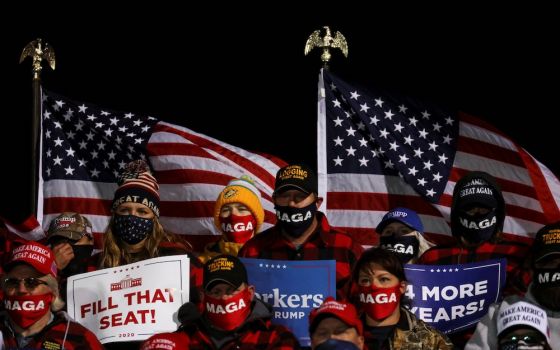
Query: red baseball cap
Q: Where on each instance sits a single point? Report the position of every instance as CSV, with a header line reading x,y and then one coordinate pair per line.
x,y
344,311
38,256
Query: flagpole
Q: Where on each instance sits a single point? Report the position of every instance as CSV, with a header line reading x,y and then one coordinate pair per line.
x,y
38,52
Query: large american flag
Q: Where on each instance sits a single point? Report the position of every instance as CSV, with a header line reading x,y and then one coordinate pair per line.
x,y
84,148
377,151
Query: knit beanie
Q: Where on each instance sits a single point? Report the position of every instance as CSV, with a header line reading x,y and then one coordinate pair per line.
x,y
244,191
137,185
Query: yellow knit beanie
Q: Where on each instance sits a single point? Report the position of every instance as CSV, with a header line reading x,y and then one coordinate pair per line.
x,y
243,191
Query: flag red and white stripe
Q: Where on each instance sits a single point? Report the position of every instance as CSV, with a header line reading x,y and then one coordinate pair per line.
x,y
356,202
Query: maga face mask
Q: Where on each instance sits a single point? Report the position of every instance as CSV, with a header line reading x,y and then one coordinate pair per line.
x,y
237,228
477,228
25,310
294,221
546,287
379,303
132,229
405,247
228,314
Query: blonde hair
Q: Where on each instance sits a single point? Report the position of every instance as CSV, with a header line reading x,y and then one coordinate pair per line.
x,y
57,303
114,255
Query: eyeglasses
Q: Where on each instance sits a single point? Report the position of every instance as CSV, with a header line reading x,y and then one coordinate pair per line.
x,y
515,342
30,283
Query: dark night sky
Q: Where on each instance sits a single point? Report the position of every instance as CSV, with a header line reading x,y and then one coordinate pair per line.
x,y
496,65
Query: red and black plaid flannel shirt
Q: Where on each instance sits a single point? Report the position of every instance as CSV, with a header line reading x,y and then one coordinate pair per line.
x,y
52,336
258,335
518,272
325,243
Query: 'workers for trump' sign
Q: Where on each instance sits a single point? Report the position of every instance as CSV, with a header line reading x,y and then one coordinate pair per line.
x,y
293,288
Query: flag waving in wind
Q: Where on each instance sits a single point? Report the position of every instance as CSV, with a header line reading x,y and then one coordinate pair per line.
x,y
377,151
84,148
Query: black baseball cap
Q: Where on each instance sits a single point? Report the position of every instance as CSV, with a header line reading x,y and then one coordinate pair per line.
x,y
226,269
296,176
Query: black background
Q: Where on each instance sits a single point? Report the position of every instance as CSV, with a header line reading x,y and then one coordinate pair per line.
x,y
239,74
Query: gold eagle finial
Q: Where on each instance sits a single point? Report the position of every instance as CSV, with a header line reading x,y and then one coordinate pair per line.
x,y
39,52
326,42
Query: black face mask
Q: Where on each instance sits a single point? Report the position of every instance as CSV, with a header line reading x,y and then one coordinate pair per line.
x,y
132,229
294,221
405,247
477,228
546,287
79,263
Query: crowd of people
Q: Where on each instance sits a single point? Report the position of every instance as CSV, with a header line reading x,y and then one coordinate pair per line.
x,y
526,316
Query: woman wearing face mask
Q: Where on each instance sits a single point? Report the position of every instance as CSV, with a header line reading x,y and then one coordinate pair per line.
x,y
378,287
232,318
401,231
31,301
543,292
135,233
238,214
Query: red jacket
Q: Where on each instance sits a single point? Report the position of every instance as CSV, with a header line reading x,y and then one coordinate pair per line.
x,y
60,334
257,333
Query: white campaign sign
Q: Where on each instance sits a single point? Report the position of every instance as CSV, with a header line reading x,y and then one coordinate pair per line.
x,y
131,302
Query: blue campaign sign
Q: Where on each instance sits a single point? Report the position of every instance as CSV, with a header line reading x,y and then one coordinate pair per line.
x,y
293,288
454,297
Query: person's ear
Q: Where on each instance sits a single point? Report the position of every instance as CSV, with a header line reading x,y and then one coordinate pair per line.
x,y
251,291
319,201
403,287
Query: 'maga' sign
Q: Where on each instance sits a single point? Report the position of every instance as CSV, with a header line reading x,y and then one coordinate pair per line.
x,y
130,302
293,288
454,297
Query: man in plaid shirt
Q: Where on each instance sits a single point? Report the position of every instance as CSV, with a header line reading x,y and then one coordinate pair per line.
x,y
31,299
477,220
232,318
301,231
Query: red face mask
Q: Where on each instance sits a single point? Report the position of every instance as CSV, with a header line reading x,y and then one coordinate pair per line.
x,y
25,310
238,229
379,303
230,313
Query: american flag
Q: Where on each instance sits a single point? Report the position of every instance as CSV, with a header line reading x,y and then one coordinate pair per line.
x,y
377,151
84,148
